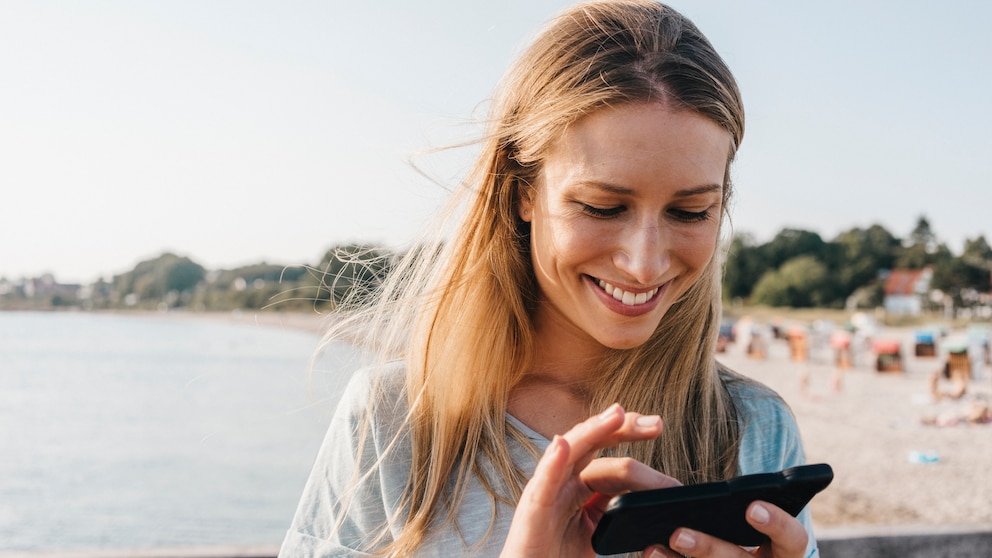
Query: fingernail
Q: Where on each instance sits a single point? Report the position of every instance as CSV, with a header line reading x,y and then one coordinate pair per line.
x,y
655,553
552,447
759,514
685,541
609,412
647,422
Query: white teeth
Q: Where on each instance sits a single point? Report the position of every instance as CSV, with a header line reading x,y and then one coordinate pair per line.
x,y
628,298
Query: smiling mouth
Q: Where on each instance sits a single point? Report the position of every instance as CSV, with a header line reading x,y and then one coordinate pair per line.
x,y
626,297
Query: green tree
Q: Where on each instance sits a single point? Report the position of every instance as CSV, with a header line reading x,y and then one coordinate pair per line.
x,y
801,282
745,264
153,280
922,233
269,273
790,243
977,252
861,255
964,277
183,275
922,248
350,274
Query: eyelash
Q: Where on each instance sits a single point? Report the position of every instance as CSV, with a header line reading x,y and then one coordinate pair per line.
x,y
603,213
692,216
611,212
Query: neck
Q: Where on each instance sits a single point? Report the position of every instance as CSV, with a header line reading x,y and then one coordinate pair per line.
x,y
548,405
555,394
563,353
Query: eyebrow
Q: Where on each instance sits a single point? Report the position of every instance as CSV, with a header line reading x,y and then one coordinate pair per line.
x,y
683,193
704,189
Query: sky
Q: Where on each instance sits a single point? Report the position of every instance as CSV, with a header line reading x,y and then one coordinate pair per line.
x,y
239,131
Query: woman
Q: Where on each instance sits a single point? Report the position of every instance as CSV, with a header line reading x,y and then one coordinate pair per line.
x,y
581,275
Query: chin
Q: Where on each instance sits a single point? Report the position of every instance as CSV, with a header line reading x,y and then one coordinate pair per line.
x,y
632,336
625,342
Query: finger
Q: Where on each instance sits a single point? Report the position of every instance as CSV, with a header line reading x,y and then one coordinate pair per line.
x,y
660,552
788,537
618,475
608,476
635,427
552,472
537,509
607,429
595,507
787,534
700,545
695,543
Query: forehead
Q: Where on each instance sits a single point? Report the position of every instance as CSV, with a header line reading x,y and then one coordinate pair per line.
x,y
644,141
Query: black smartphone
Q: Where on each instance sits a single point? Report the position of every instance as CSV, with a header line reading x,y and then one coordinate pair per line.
x,y
637,520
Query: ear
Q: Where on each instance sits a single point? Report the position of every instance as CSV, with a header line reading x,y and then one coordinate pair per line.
x,y
525,203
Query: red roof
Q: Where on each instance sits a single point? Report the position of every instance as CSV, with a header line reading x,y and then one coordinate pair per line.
x,y
902,281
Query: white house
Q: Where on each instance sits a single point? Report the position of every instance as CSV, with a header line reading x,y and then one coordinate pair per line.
x,y
906,289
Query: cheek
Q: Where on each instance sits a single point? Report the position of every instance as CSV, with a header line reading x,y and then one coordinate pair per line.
x,y
560,241
697,248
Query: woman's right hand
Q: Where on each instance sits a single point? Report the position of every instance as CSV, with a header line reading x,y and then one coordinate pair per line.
x,y
565,499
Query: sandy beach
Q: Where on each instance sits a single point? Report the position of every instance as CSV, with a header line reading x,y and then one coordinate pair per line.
x,y
890,467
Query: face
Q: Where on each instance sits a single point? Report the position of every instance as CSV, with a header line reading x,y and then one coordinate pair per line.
x,y
624,219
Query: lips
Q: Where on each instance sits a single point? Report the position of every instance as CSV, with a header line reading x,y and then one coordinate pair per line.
x,y
626,297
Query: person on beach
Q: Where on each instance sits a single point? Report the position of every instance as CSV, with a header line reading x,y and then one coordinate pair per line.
x,y
957,370
558,346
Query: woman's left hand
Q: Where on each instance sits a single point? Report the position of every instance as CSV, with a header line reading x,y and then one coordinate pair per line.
x,y
787,534
565,499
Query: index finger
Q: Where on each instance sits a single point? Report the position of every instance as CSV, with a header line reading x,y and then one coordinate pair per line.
x,y
608,429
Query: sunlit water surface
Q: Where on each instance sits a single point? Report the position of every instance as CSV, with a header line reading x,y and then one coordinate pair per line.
x,y
124,431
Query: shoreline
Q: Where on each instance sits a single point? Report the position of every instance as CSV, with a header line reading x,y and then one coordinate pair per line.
x,y
304,321
311,322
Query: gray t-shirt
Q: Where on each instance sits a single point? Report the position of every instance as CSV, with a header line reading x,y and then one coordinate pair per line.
x,y
328,523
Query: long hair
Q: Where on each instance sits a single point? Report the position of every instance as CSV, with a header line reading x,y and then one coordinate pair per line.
x,y
459,312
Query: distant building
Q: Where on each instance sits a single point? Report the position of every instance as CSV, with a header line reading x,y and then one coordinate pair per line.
x,y
905,291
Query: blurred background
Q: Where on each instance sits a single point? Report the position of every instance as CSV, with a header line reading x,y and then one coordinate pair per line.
x,y
226,156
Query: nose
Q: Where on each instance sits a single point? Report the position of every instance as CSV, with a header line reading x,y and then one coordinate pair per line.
x,y
643,254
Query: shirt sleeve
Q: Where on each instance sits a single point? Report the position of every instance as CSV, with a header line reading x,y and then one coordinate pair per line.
x,y
771,442
343,509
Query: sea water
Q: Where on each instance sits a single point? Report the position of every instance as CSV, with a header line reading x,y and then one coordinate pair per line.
x,y
121,431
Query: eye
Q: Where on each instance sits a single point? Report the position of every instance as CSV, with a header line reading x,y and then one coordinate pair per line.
x,y
603,212
691,216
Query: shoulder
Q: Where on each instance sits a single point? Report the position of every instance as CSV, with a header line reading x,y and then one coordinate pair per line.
x,y
770,439
375,397
756,403
385,379
368,387
353,488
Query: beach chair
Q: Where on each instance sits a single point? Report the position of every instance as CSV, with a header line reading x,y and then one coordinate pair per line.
x,y
925,344
888,355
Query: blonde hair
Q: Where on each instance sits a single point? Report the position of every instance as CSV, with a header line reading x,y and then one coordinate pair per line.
x,y
459,314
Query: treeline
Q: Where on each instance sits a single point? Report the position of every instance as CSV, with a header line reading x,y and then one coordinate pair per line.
x,y
799,269
170,281
796,269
